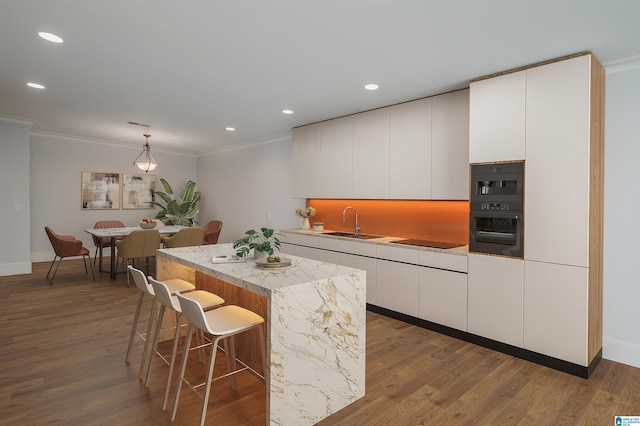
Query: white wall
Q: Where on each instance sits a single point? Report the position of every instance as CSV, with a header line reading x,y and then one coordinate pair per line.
x,y
248,188
621,324
56,166
14,191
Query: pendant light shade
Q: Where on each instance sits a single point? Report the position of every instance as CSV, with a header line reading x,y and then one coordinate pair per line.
x,y
145,161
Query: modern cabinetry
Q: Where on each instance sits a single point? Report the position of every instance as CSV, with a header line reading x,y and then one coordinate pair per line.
x,y
370,171
557,173
556,301
564,205
496,298
406,151
497,118
361,255
305,161
555,112
410,150
336,156
450,146
397,287
397,276
442,294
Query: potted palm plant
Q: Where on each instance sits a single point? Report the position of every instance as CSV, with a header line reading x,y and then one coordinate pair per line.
x,y
180,210
264,243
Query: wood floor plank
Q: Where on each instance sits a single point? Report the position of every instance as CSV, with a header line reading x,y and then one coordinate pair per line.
x,y
62,351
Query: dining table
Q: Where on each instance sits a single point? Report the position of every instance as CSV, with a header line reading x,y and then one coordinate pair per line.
x,y
114,233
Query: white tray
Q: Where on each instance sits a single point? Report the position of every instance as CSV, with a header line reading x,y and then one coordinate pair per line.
x,y
230,258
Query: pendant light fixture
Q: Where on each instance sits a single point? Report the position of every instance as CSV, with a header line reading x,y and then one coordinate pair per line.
x,y
145,161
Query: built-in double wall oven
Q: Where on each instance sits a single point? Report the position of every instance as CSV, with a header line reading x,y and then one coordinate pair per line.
x,y
496,209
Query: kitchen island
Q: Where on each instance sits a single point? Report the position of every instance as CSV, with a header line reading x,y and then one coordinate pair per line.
x,y
315,319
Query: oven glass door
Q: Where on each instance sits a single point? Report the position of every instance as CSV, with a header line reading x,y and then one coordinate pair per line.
x,y
496,233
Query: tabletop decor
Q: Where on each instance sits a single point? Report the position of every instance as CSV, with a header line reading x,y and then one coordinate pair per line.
x,y
147,224
304,215
180,210
100,190
263,243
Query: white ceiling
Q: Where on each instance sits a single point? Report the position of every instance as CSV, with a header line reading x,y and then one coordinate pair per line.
x,y
191,68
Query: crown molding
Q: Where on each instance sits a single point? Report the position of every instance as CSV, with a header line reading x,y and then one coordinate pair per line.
x,y
622,65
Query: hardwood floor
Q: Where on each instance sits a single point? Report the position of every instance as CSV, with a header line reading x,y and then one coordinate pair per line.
x,y
62,362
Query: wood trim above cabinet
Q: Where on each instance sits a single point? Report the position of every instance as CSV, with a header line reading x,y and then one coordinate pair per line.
x,y
526,67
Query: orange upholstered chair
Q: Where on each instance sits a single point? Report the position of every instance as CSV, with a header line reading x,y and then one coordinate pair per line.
x,y
106,241
67,246
212,232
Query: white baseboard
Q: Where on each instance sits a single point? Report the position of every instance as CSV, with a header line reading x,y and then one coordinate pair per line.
x,y
619,351
17,268
47,256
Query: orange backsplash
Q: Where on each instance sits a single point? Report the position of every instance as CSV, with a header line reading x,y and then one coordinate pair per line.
x,y
428,220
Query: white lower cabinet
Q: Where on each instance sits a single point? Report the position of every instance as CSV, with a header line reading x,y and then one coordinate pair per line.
x,y
366,263
397,286
323,255
442,297
556,311
294,250
495,298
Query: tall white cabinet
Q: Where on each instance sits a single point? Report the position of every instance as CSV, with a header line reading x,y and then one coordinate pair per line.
x,y
550,115
564,209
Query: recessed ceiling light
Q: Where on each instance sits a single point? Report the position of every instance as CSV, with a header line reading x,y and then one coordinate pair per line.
x,y
230,129
50,37
287,111
35,85
371,86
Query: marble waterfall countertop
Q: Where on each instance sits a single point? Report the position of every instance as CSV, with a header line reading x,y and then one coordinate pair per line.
x,y
316,327
247,275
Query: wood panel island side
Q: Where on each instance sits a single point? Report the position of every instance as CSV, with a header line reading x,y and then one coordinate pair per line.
x,y
315,320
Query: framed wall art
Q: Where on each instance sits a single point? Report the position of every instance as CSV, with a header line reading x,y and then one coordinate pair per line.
x,y
100,190
138,191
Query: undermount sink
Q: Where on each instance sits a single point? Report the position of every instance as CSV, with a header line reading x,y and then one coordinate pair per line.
x,y
352,235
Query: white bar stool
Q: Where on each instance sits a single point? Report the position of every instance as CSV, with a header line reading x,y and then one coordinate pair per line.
x,y
223,322
168,300
140,279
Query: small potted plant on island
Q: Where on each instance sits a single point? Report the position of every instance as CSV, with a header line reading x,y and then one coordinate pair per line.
x,y
264,243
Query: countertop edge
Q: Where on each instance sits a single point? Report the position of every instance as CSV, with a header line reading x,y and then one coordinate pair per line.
x,y
385,240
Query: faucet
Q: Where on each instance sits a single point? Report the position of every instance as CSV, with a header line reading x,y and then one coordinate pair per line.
x,y
357,225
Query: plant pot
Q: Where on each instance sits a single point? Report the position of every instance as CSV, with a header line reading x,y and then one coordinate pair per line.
x,y
260,254
304,223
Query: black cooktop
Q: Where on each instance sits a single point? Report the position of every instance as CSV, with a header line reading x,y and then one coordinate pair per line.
x,y
427,243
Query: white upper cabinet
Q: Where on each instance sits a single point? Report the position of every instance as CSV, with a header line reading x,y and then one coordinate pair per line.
x,y
371,154
416,150
410,150
335,138
450,146
497,119
557,165
305,162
